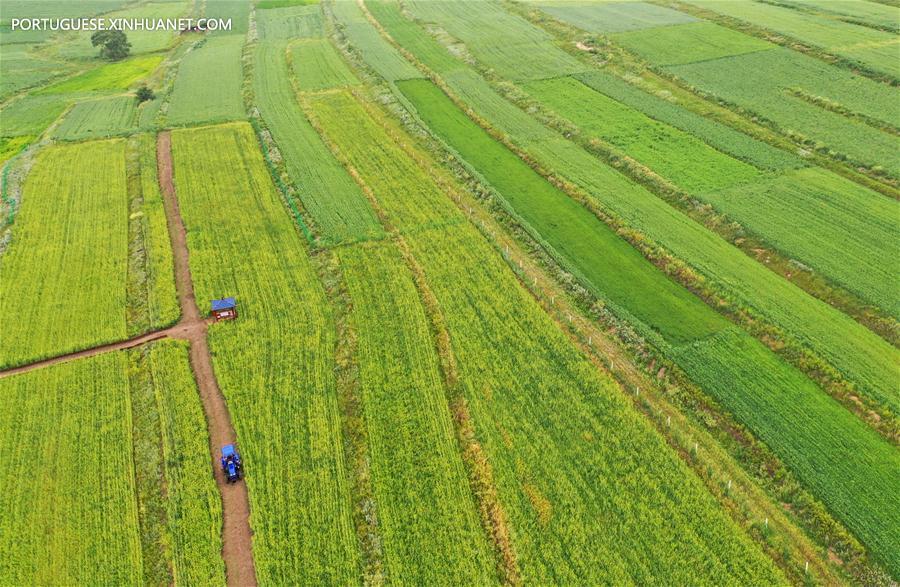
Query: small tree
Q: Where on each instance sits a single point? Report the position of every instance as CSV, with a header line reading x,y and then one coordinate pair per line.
x,y
114,45
144,93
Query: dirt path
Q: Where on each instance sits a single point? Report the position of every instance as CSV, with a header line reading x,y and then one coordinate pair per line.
x,y
236,543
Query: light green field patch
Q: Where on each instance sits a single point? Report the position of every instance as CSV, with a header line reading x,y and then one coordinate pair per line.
x,y
688,43
9,147
208,86
20,68
300,22
679,157
266,4
614,17
112,76
317,66
31,114
98,119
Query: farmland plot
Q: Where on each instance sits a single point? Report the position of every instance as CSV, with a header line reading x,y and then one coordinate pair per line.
x,y
275,364
21,69
317,66
296,22
64,272
428,524
101,118
504,42
542,415
119,75
96,439
687,43
614,17
31,115
238,11
378,53
873,48
327,192
48,9
723,138
208,86
866,12
592,251
838,228
856,352
676,155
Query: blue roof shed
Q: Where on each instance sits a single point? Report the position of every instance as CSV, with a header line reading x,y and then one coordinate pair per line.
x,y
223,304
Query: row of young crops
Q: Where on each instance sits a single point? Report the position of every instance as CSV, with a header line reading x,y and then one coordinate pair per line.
x,y
106,474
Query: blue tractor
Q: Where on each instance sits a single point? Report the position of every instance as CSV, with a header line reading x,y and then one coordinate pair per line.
x,y
231,464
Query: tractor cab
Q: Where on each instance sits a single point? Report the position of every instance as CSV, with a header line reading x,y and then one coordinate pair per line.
x,y
231,464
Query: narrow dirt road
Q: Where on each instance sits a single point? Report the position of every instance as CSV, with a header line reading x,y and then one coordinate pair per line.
x,y
236,535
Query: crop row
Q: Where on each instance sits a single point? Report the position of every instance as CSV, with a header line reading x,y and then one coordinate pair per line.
x,y
96,446
275,365
562,443
208,85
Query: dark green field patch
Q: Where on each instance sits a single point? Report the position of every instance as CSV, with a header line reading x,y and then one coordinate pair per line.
x,y
585,243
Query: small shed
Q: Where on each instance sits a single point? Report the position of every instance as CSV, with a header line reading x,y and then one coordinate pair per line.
x,y
224,309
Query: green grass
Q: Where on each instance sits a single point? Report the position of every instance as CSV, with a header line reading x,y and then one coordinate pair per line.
x,y
317,66
677,156
769,97
275,364
64,272
427,518
582,242
614,17
874,48
101,118
719,349
860,355
507,43
208,86
31,115
20,68
688,43
301,22
377,52
111,478
563,444
120,75
863,11
723,138
326,191
840,229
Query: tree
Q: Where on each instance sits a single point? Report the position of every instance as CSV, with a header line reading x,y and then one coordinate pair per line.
x,y
114,45
144,93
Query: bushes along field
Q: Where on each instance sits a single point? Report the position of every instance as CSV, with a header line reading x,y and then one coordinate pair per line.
x,y
325,189
275,365
208,86
64,272
83,494
540,414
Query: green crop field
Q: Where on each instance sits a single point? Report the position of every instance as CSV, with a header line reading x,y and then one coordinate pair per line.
x,y
874,48
84,517
64,271
112,76
101,118
275,365
527,292
325,188
317,66
521,381
208,86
